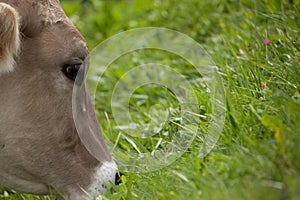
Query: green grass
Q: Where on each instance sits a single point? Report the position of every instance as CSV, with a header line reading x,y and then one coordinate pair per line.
x,y
258,154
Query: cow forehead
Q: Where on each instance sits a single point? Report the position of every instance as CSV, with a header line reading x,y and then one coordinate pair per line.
x,y
51,12
37,14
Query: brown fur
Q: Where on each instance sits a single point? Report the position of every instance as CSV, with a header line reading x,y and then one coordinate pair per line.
x,y
39,146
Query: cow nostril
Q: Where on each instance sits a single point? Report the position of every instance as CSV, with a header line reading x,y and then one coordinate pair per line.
x,y
118,180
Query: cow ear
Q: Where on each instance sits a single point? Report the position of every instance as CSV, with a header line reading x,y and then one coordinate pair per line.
x,y
9,37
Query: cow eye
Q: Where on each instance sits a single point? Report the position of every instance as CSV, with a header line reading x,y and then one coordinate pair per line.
x,y
71,70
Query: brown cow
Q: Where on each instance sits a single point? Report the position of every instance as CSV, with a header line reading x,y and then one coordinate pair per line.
x,y
40,150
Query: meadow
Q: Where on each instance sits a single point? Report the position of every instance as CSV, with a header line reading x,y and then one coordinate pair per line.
x,y
255,46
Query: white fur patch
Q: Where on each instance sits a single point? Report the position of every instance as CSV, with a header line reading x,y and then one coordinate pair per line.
x,y
103,178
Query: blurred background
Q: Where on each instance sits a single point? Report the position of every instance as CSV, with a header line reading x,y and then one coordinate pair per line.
x,y
255,45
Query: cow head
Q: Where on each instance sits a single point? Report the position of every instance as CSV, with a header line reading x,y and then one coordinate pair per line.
x,y
40,150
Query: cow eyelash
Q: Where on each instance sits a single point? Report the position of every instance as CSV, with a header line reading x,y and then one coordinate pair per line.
x,y
71,70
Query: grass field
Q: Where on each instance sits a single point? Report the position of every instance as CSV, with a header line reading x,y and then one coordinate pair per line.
x,y
256,48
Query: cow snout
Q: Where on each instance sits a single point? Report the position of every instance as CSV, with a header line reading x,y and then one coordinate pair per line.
x,y
104,176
